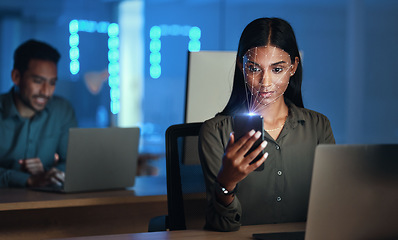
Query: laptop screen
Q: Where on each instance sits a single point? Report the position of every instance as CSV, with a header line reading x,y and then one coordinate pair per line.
x,y
354,193
101,158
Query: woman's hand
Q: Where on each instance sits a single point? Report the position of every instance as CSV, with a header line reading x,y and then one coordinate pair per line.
x,y
235,165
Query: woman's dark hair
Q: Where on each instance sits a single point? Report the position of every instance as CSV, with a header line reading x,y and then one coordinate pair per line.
x,y
33,49
263,32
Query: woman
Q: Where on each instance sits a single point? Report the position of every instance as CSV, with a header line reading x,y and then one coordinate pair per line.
x,y
267,81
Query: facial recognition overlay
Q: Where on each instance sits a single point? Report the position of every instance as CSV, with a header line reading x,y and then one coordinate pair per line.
x,y
267,71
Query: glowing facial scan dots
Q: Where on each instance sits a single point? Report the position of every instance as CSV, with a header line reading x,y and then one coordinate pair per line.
x,y
266,71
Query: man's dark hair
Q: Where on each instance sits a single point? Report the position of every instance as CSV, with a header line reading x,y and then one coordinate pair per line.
x,y
33,49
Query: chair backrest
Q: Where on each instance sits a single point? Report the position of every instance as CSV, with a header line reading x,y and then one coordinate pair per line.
x,y
185,182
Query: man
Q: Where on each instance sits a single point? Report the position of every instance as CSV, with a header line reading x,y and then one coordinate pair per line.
x,y
34,124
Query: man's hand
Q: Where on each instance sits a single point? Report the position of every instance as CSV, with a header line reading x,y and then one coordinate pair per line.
x,y
53,176
145,169
31,165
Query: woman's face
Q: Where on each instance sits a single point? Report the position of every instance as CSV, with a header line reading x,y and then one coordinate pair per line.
x,y
267,71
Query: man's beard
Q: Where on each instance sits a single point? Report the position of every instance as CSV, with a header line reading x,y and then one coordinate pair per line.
x,y
27,102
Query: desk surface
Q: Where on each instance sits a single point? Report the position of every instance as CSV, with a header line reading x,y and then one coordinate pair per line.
x,y
29,214
32,214
23,199
244,233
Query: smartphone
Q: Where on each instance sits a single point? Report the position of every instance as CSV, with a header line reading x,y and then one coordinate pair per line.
x,y
243,124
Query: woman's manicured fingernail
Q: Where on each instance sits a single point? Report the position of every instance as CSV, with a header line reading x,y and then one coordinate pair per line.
x,y
258,134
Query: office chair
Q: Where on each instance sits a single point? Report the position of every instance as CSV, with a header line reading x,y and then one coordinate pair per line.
x,y
184,180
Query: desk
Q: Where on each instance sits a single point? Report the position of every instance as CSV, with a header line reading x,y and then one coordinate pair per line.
x,y
28,214
244,233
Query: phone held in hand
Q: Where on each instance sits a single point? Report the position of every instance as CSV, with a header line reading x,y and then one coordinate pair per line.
x,y
243,124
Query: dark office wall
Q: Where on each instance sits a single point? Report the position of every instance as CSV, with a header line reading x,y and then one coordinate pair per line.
x,y
348,58
348,46
379,117
321,35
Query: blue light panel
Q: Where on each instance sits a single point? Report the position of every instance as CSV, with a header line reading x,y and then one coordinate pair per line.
x,y
112,29
156,32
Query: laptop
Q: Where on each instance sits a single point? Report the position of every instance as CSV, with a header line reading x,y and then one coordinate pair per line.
x,y
99,159
354,194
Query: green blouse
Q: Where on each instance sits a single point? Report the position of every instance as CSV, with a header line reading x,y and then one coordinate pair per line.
x,y
279,193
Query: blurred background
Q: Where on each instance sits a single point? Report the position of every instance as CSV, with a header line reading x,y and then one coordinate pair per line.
x,y
124,63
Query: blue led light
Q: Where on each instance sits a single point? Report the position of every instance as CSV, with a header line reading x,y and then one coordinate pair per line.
x,y
74,67
74,53
74,40
114,81
185,30
113,55
115,107
112,29
113,69
155,71
102,27
87,26
73,26
155,45
113,66
195,33
115,93
174,30
155,58
155,32
194,46
113,42
83,25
